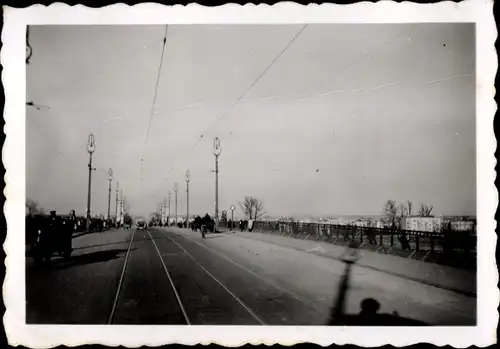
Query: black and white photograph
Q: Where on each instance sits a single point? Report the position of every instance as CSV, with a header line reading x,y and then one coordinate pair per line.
x,y
290,174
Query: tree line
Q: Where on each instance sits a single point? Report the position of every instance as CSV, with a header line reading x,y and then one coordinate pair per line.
x,y
34,208
394,211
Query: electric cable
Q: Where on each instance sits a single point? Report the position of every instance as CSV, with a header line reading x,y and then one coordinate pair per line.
x,y
154,99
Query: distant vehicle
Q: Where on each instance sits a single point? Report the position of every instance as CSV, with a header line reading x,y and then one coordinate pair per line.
x,y
141,225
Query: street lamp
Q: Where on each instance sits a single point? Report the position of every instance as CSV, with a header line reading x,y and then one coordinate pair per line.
x,y
232,216
110,178
121,207
188,177
90,150
169,196
217,151
176,188
116,212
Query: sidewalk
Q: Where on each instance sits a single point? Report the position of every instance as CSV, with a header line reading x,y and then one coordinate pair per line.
x,y
449,278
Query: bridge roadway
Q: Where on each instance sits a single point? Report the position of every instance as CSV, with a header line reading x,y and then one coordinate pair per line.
x,y
173,276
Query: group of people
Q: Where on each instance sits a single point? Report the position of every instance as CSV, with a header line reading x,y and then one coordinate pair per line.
x,y
242,225
46,235
205,223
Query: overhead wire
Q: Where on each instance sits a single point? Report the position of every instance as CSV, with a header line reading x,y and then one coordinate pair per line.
x,y
154,99
348,67
239,99
84,76
255,81
286,47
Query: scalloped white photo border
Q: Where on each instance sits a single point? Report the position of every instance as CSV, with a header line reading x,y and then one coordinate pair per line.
x,y
13,56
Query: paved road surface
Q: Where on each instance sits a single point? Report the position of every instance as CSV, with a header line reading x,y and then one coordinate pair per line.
x,y
173,276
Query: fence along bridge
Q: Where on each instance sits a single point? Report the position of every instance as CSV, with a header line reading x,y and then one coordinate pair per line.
x,y
453,248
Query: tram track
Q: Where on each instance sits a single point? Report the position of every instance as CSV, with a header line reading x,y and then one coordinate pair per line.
x,y
117,295
170,280
310,305
137,301
173,277
268,302
199,266
236,298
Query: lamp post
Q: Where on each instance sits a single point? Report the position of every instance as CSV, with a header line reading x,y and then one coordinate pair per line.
x,y
217,151
124,211
121,208
232,217
176,189
116,212
110,178
169,196
164,217
90,150
188,177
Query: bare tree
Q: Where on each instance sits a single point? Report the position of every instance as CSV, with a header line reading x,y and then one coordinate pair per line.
x,y
252,207
33,207
247,206
390,211
155,217
259,209
409,205
402,210
425,210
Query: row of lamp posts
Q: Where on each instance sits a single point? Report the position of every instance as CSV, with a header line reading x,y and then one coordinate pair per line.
x,y
90,149
216,151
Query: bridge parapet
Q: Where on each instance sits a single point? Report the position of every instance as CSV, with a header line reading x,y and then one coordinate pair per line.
x,y
453,248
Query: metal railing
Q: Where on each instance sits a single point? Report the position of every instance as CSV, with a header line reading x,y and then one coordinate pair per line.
x,y
455,248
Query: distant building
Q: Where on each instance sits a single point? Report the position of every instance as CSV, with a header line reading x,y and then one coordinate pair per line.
x,y
462,225
417,223
361,223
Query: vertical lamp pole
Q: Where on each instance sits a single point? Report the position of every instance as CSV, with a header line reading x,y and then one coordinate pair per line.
x,y
90,150
165,218
217,151
232,216
116,212
176,188
121,207
124,200
110,178
188,177
169,196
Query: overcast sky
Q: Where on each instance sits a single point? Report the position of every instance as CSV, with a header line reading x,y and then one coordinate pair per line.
x,y
349,116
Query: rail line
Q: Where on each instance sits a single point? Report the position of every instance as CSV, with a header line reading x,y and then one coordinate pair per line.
x,y
117,295
236,298
171,282
290,293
